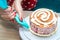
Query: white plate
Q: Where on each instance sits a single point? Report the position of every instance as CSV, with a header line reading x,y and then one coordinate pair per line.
x,y
27,35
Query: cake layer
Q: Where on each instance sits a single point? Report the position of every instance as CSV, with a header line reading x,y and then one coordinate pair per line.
x,y
43,31
43,21
43,18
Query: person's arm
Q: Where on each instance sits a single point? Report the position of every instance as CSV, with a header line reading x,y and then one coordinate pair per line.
x,y
18,8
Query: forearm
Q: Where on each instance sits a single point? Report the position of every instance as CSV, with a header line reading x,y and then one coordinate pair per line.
x,y
18,7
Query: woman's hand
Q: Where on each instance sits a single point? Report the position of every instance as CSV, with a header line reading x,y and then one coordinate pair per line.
x,y
18,8
9,14
21,17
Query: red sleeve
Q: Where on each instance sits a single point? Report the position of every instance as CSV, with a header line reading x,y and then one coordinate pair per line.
x,y
28,4
10,2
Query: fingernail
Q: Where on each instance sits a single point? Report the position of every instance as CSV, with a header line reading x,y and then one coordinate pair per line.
x,y
21,19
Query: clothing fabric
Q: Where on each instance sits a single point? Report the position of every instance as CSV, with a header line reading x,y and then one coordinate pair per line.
x,y
10,2
50,4
3,4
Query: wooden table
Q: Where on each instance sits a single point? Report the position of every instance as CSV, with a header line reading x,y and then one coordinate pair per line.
x,y
8,32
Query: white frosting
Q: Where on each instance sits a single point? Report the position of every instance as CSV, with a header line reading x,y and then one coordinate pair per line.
x,y
44,17
33,20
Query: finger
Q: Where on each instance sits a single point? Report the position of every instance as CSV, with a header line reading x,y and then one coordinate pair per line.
x,y
21,18
13,15
5,17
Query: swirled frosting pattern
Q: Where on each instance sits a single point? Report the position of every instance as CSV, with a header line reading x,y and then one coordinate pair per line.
x,y
43,17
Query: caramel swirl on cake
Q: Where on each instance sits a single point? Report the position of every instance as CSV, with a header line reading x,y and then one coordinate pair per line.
x,y
43,18
43,22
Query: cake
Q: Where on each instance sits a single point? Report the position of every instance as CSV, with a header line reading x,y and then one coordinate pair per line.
x,y
43,22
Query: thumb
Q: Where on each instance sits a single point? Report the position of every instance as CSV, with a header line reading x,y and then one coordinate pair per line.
x,y
21,18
